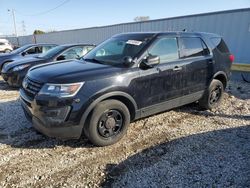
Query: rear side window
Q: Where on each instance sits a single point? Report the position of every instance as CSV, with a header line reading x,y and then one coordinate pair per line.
x,y
192,47
166,49
220,44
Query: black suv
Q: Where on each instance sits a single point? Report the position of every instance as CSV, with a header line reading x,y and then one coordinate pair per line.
x,y
125,78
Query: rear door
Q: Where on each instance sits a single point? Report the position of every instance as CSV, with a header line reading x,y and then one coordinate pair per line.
x,y
199,64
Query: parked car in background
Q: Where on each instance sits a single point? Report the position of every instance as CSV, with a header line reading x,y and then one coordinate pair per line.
x,y
14,72
5,46
24,51
127,77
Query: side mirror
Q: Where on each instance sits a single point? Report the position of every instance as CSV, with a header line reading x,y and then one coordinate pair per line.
x,y
24,53
127,60
60,58
151,61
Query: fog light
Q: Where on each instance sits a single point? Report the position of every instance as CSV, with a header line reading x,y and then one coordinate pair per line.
x,y
57,115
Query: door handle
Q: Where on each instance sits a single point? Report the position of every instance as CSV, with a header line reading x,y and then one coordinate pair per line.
x,y
177,68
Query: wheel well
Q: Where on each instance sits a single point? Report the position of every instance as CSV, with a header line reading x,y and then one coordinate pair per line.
x,y
4,63
127,102
124,100
222,78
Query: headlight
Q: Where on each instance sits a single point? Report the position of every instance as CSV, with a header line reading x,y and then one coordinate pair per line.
x,y
20,67
61,90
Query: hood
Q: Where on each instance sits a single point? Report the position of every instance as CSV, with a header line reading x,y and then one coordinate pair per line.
x,y
70,71
23,61
7,54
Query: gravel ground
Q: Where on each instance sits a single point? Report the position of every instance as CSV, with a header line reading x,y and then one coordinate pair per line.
x,y
184,147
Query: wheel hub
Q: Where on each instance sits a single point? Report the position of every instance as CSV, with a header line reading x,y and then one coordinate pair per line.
x,y
110,123
215,95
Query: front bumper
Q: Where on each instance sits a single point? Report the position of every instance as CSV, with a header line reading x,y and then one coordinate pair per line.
x,y
50,121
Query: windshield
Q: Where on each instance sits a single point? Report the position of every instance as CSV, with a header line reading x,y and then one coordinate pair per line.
x,y
51,53
114,50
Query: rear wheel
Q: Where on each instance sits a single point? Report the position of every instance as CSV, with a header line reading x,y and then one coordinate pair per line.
x,y
212,97
108,123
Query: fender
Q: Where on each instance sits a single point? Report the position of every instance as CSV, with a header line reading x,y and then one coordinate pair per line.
x,y
221,72
5,61
103,97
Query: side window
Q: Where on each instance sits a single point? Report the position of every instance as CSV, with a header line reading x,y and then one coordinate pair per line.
x,y
31,50
1,43
46,48
192,47
166,49
73,53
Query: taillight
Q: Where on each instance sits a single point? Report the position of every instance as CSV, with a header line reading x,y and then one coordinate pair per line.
x,y
231,58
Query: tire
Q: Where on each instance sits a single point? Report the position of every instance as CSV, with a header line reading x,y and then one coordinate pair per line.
x,y
108,123
212,96
7,51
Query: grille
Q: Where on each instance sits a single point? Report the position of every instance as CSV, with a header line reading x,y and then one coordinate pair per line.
x,y
31,87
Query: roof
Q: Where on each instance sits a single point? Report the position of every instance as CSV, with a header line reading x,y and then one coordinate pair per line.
x,y
180,33
80,44
37,44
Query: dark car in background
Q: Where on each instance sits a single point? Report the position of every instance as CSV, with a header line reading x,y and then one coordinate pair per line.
x,y
14,72
24,51
128,77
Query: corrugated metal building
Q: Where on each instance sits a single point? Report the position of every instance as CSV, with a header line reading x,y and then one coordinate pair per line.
x,y
233,25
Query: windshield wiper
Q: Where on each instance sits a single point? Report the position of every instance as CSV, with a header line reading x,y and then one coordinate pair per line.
x,y
94,60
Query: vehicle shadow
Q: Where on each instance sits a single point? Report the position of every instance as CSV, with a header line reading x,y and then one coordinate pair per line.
x,y
218,158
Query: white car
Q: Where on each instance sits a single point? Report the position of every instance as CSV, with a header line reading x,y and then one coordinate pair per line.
x,y
5,46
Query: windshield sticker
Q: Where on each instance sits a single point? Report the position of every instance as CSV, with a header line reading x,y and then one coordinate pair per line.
x,y
134,42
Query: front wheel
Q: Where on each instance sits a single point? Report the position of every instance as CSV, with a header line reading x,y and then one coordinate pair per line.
x,y
212,96
108,123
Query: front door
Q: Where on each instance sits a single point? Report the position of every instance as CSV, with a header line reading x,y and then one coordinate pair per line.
x,y
160,87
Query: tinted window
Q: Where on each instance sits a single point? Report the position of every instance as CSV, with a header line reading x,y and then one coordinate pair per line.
x,y
166,49
191,47
220,44
32,50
